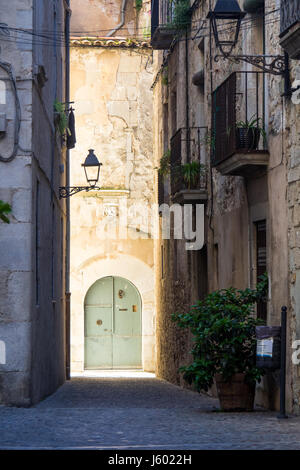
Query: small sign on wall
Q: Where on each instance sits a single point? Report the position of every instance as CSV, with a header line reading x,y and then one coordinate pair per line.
x,y
2,353
265,347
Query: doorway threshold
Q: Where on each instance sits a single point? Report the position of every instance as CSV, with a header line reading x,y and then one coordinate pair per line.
x,y
134,374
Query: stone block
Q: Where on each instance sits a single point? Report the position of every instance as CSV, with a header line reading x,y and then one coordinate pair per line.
x,y
119,109
132,93
118,94
294,175
17,338
295,157
15,388
16,247
126,79
133,107
129,63
24,18
16,174
296,215
15,295
21,205
6,195
295,258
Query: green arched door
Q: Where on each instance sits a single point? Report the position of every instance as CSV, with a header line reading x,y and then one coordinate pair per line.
x,y
113,329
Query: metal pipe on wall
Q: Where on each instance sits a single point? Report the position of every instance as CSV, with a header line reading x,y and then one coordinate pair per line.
x,y
123,9
68,227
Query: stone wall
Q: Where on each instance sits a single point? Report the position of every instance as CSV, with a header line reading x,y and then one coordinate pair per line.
x,y
32,308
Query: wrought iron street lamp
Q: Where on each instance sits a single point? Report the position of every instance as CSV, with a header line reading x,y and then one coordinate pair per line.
x,y
226,13
226,21
92,172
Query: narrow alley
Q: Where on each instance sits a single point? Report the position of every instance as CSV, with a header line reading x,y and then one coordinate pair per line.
x,y
139,413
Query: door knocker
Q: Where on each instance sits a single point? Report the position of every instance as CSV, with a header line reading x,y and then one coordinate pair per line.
x,y
121,294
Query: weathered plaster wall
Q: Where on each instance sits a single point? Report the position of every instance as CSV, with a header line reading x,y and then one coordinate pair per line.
x,y
32,329
113,105
98,18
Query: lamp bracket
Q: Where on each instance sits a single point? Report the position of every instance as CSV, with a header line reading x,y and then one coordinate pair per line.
x,y
67,191
274,64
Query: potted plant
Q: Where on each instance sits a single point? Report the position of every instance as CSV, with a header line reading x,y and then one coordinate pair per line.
x,y
248,133
191,173
223,326
60,118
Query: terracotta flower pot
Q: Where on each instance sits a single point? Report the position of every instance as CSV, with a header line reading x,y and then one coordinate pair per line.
x,y
236,395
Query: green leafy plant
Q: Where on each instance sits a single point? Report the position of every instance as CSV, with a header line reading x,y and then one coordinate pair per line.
x,y
61,120
165,77
223,327
191,173
5,208
181,15
146,33
210,140
253,123
138,5
165,164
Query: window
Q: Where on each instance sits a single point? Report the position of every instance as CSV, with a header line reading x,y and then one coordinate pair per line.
x,y
261,262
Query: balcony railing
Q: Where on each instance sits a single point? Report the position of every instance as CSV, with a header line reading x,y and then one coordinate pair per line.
x,y
237,102
290,27
187,145
162,33
290,15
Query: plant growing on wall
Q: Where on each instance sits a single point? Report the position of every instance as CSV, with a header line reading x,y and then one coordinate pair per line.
x,y
165,76
138,5
61,120
165,164
223,326
181,17
5,209
210,140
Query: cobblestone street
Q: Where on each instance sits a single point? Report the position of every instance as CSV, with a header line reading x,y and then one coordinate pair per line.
x,y
144,413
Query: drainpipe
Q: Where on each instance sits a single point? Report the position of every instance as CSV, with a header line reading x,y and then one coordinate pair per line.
x,y
123,8
67,264
187,97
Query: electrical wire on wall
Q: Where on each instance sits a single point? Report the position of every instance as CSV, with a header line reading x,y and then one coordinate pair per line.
x,y
47,37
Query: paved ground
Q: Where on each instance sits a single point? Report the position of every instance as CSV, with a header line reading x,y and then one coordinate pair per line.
x,y
145,413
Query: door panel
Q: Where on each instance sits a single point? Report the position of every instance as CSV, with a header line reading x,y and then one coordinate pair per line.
x,y
127,309
113,325
98,321
127,352
98,352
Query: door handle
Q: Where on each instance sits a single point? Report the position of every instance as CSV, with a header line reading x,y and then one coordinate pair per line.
x,y
123,309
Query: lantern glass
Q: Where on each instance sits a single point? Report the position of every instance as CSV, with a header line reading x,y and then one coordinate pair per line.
x,y
92,168
226,24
